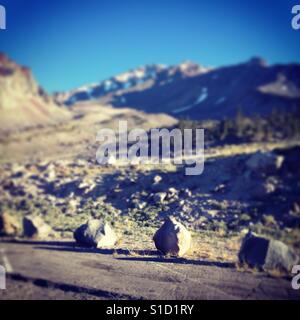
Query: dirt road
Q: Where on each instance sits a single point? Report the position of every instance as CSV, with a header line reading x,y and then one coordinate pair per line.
x,y
61,270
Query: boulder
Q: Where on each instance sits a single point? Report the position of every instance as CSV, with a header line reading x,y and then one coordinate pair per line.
x,y
267,254
267,162
96,233
9,226
172,238
160,197
35,227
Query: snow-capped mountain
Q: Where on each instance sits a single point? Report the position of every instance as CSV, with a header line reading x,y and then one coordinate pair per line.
x,y
190,90
141,77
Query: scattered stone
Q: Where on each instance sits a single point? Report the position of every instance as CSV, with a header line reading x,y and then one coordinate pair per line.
x,y
187,192
157,179
266,254
141,205
35,227
80,163
50,173
186,209
74,203
86,186
172,194
9,226
201,222
172,238
296,208
52,199
96,233
220,188
17,168
172,191
269,221
83,185
159,197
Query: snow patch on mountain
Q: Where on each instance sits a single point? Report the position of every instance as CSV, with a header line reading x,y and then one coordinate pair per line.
x,y
157,73
221,100
203,96
179,110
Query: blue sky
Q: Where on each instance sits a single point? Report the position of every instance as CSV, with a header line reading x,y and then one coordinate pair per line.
x,y
68,43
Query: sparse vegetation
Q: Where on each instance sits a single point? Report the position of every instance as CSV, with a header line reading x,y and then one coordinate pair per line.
x,y
277,126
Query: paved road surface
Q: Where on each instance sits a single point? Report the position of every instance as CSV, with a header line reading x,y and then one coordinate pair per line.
x,y
61,270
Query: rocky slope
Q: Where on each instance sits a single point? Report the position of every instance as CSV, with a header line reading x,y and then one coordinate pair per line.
x,y
189,90
23,103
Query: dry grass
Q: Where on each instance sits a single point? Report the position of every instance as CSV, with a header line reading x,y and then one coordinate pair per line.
x,y
214,247
208,245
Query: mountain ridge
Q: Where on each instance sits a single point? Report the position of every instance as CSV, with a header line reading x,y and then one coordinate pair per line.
x,y
193,91
127,80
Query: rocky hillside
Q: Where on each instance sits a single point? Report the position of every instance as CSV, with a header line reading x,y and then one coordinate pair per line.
x,y
189,90
23,103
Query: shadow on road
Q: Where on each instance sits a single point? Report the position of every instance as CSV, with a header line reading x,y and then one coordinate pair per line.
x,y
181,261
37,242
81,249
44,283
142,255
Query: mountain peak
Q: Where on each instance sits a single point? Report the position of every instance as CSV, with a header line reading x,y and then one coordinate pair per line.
x,y
140,73
257,61
157,73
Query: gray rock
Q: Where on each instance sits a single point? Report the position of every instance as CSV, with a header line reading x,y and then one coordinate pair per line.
x,y
9,226
172,193
159,197
172,238
280,257
96,233
50,172
187,192
35,227
267,254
